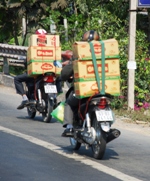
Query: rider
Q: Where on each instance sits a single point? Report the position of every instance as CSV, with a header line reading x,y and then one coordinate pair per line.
x,y
18,81
71,101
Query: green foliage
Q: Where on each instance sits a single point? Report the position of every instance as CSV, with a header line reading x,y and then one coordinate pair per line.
x,y
16,70
11,14
142,73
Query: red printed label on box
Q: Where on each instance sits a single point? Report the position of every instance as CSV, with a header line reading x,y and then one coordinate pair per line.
x,y
90,68
41,40
53,41
46,66
97,48
47,53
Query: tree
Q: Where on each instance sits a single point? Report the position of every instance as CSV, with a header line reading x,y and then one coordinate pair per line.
x,y
15,10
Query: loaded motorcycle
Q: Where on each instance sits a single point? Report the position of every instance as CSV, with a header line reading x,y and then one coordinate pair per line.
x,y
92,123
42,94
93,128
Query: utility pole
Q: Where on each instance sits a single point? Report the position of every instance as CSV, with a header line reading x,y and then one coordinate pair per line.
x,y
131,53
52,26
23,26
66,29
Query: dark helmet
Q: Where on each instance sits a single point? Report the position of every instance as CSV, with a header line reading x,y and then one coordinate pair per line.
x,y
91,35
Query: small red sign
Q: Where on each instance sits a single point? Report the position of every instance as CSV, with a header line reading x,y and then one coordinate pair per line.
x,y
46,66
45,53
90,68
97,48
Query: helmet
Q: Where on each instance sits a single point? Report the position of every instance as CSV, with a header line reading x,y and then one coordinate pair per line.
x,y
90,35
41,32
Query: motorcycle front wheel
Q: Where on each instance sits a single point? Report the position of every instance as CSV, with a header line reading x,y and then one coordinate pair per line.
x,y
99,146
75,144
47,114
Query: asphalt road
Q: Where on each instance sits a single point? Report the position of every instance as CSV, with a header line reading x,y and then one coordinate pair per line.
x,y
33,150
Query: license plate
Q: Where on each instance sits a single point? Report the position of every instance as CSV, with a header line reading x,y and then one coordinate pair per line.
x,y
104,115
50,88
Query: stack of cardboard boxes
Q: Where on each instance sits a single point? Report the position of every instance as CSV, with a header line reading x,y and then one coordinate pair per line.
x,y
84,73
42,51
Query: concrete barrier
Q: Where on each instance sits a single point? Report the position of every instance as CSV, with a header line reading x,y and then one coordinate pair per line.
x,y
7,80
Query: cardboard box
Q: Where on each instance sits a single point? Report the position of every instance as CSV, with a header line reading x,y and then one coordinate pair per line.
x,y
84,70
89,88
37,68
81,50
43,53
44,40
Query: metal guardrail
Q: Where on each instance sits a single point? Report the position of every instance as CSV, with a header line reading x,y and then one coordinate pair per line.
x,y
13,62
13,51
12,55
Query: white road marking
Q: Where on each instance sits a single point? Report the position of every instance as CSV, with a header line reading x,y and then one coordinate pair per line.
x,y
59,150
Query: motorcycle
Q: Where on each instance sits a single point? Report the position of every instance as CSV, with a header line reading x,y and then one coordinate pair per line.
x,y
42,95
92,123
93,129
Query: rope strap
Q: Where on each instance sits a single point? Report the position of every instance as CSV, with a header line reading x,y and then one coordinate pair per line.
x,y
96,67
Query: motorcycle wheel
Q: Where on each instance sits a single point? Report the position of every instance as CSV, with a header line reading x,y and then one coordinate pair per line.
x,y
47,114
31,112
99,146
75,144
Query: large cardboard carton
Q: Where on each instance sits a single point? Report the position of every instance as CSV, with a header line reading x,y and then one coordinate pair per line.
x,y
43,53
84,70
89,88
44,40
37,68
81,50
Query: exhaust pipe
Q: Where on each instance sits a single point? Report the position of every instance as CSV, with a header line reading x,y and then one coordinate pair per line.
x,y
113,134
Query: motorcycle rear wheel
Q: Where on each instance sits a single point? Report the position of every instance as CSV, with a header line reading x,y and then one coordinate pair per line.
x,y
31,113
47,114
75,144
99,146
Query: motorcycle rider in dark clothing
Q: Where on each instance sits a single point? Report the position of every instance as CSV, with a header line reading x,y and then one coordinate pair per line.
x,y
18,81
72,102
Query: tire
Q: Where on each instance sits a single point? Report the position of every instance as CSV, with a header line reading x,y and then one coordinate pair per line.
x,y
75,144
31,112
47,114
99,146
